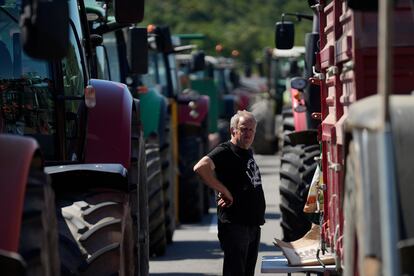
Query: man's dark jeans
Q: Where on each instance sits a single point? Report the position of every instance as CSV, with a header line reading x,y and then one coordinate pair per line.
x,y
240,244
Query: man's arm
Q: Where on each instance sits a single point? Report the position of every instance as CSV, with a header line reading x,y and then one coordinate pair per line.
x,y
205,169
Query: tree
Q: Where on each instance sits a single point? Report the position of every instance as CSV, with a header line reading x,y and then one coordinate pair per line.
x,y
246,26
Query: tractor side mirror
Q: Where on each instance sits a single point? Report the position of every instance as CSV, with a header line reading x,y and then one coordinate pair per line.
x,y
45,28
129,11
163,39
198,61
12,263
138,50
284,35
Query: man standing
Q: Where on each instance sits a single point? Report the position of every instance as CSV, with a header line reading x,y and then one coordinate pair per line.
x,y
231,170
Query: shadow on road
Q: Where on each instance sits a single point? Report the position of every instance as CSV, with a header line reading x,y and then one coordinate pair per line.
x,y
268,248
269,216
182,250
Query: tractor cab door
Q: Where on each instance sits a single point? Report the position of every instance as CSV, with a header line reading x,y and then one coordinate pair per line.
x,y
27,105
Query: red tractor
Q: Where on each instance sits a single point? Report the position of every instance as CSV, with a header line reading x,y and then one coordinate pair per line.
x,y
71,149
366,138
299,143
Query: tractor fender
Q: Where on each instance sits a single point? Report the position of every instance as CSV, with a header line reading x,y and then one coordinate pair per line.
x,y
109,124
81,177
306,137
366,142
244,98
365,116
15,160
263,111
153,105
209,88
202,103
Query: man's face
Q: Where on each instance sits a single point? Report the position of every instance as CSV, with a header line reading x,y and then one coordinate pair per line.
x,y
243,135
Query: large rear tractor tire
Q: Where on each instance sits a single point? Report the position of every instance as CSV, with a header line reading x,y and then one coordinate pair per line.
x,y
168,182
137,179
157,233
143,238
95,233
224,130
38,235
265,141
297,168
288,126
191,189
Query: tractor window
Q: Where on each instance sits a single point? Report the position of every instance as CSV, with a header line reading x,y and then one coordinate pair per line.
x,y
174,74
149,79
101,62
220,80
73,81
113,57
26,90
162,73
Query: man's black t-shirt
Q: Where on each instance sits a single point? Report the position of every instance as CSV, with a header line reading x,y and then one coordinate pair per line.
x,y
237,170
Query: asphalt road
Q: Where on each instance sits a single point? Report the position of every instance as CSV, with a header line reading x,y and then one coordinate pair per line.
x,y
195,249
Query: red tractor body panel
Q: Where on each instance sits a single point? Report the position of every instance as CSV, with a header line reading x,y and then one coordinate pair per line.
x,y
15,160
243,98
109,124
200,108
348,60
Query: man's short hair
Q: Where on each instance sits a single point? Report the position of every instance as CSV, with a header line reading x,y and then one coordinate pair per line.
x,y
234,121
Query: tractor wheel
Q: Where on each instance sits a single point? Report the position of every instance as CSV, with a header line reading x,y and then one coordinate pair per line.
x,y
191,188
224,130
296,172
38,235
208,192
288,125
287,117
137,180
261,145
143,237
208,198
96,233
157,233
263,112
167,168
354,228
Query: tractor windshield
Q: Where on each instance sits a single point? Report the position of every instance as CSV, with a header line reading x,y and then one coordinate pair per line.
x,y
26,102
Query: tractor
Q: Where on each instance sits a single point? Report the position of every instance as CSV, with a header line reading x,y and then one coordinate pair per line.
x,y
177,119
364,71
71,146
298,134
191,120
123,57
282,65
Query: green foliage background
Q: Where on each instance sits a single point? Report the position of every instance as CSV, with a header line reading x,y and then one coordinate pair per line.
x,y
245,25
